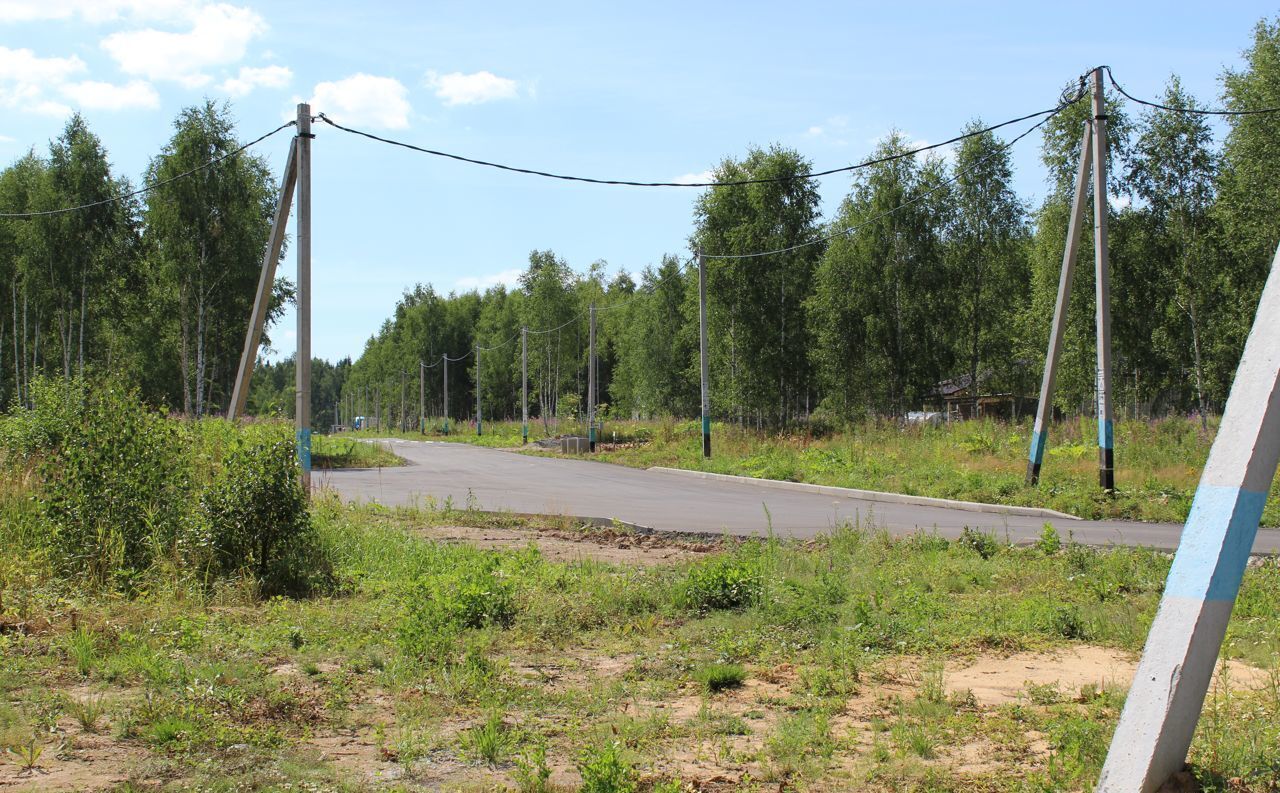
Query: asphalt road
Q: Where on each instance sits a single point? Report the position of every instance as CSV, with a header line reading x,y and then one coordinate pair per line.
x,y
498,480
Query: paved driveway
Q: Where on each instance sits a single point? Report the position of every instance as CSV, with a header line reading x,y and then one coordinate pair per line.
x,y
498,480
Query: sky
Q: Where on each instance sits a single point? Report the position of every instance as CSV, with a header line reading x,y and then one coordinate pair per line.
x,y
653,91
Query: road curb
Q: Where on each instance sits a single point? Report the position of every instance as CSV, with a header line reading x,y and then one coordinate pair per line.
x,y
876,495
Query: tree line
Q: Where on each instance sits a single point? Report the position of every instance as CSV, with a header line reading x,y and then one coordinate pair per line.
x,y
155,287
949,274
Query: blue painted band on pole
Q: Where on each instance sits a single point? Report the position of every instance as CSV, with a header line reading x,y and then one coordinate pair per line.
x,y
1106,434
1216,543
1036,456
706,425
304,448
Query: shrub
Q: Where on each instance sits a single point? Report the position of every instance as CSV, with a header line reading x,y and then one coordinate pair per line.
x,y
1049,543
724,582
113,478
980,542
605,771
253,518
441,605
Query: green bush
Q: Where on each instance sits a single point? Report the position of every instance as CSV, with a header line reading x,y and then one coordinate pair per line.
x,y
443,604
252,518
724,582
113,479
605,771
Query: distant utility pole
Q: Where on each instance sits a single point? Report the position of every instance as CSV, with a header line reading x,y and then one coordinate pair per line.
x,y
402,408
702,354
1093,148
524,385
422,397
591,378
302,361
1159,718
444,391
479,420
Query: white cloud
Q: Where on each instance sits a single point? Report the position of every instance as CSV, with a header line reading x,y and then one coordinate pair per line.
x,y
250,78
814,131
364,99
695,178
507,278
1119,201
24,77
94,11
6,139
25,67
219,35
94,95
457,88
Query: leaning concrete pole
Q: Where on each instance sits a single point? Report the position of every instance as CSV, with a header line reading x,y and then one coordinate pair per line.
x,y
1044,407
1160,715
702,354
591,379
524,385
479,420
422,397
1102,282
266,280
302,362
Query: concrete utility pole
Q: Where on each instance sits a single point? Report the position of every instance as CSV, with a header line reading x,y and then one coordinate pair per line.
x,y
702,354
422,397
1164,703
591,378
302,361
524,385
444,395
1044,407
266,280
1102,280
479,420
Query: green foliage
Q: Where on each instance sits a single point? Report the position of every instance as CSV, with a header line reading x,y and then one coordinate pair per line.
x,y
982,543
717,677
1049,543
253,519
442,604
489,741
532,773
113,478
605,770
731,581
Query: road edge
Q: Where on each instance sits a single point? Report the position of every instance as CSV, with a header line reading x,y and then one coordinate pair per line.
x,y
876,495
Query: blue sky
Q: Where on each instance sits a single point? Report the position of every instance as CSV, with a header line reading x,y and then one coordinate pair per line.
x,y
646,91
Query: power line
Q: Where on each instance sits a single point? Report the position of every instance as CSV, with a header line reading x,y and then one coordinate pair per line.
x,y
146,188
461,358
731,183
850,229
1190,110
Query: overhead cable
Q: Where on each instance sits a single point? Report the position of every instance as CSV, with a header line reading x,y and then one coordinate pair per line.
x,y
1189,110
149,187
727,183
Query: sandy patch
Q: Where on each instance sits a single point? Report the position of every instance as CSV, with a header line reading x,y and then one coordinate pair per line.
x,y
996,680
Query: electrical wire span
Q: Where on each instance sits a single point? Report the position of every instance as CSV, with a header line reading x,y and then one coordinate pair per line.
x,y
146,188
